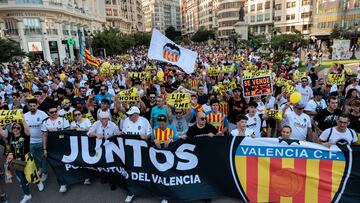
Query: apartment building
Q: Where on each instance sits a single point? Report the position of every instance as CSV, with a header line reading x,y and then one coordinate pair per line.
x,y
260,16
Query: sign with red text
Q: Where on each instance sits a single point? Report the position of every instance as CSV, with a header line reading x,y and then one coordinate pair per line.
x,y
257,86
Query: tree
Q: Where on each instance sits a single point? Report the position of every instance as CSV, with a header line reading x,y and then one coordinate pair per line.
x,y
338,32
203,35
142,38
286,42
9,48
172,34
258,41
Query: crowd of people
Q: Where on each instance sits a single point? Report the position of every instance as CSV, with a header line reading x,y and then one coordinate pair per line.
x,y
77,96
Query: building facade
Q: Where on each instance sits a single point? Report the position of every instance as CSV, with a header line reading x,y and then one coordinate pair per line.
x,y
260,16
335,12
125,15
52,29
290,15
227,14
161,14
207,14
189,16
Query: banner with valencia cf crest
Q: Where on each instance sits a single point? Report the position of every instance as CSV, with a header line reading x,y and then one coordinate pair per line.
x,y
249,169
163,49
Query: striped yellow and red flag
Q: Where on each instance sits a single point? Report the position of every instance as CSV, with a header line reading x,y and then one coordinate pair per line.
x,y
90,59
288,174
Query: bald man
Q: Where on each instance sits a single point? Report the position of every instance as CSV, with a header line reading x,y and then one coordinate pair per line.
x,y
201,128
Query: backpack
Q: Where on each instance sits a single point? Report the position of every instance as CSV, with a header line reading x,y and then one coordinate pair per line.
x,y
331,130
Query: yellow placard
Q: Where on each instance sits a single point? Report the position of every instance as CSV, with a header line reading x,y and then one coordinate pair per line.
x,y
248,74
30,170
336,79
29,76
11,116
69,116
179,100
90,117
212,71
289,89
281,82
275,114
348,71
227,69
299,75
129,95
150,68
139,75
223,88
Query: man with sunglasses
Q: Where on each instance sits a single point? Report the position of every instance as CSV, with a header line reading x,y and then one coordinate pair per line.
x,y
181,120
201,128
305,91
150,102
299,122
54,123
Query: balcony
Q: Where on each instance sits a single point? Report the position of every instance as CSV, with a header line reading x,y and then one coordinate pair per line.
x,y
11,32
52,31
32,31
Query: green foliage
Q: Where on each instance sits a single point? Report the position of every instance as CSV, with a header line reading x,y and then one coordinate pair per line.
x,y
203,35
9,48
258,41
338,32
31,56
286,42
172,34
141,38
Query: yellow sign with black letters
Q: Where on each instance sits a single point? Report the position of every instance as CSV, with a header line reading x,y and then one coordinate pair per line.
x,y
179,100
129,95
11,116
336,79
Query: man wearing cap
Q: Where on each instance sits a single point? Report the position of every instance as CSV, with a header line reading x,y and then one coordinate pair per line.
x,y
315,105
104,128
136,124
299,122
163,134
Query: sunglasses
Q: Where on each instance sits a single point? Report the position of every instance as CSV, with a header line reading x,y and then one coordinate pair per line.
x,y
304,81
18,128
178,112
78,114
51,112
202,118
102,89
152,97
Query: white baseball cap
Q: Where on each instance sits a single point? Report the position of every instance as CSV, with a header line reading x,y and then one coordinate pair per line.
x,y
104,114
132,110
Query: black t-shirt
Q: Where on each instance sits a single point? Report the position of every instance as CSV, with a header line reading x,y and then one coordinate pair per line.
x,y
196,131
19,146
79,103
326,119
354,123
233,113
44,106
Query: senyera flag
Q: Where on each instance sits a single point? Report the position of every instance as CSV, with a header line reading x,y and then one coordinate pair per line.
x,y
90,59
163,49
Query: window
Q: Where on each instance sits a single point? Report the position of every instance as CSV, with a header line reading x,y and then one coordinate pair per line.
x,y
305,2
267,16
290,4
29,2
260,18
252,8
306,27
290,28
260,7
290,17
277,6
114,2
306,14
255,29
262,29
108,2
108,11
252,19
277,18
267,5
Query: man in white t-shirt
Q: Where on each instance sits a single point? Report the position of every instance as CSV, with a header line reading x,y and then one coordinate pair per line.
x,y
340,133
255,123
315,105
242,129
34,119
305,91
136,124
299,122
54,123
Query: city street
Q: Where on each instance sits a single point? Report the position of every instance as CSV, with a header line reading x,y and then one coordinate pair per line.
x,y
96,192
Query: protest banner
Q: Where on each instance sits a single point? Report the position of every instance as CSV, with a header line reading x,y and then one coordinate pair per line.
x,y
296,170
336,79
222,88
213,71
179,100
289,89
298,75
257,86
259,73
281,82
227,69
275,114
129,95
11,116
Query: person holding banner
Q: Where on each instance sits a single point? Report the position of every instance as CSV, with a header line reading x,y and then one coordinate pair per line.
x,y
256,121
181,120
159,109
201,128
54,123
18,140
136,124
164,134
80,123
285,132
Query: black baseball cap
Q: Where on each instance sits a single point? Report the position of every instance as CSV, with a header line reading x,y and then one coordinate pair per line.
x,y
161,117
